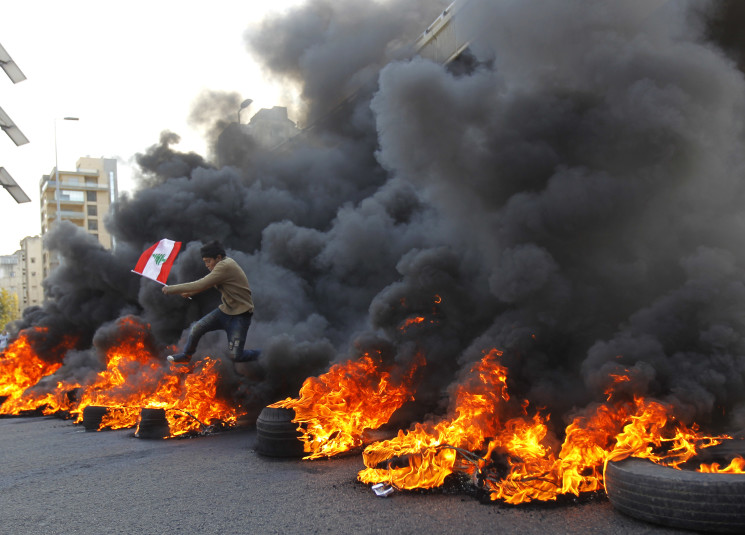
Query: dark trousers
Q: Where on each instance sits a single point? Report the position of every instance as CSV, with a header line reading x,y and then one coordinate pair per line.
x,y
236,328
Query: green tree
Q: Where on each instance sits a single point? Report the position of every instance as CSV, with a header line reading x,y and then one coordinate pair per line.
x,y
8,307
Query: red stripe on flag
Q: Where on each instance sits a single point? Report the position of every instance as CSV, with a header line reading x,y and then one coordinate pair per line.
x,y
144,258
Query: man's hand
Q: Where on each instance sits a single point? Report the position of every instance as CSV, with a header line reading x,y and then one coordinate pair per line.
x,y
186,295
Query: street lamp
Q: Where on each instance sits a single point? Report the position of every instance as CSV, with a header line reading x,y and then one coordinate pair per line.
x,y
9,66
12,187
58,190
245,104
10,128
56,166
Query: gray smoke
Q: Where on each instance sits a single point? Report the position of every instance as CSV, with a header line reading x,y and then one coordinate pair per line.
x,y
568,191
592,170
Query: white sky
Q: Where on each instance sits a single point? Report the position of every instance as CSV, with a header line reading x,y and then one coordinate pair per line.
x,y
128,70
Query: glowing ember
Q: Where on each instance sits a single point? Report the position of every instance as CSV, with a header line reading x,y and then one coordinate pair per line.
x,y
417,320
616,379
334,410
412,321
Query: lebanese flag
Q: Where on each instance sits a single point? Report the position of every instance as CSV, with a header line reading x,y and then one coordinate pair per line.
x,y
156,262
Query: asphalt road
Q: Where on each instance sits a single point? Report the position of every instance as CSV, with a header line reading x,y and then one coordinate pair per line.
x,y
56,478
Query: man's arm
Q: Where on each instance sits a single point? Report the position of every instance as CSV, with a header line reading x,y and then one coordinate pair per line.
x,y
187,289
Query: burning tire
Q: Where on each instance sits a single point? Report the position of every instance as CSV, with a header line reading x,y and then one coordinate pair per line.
x,y
152,424
92,416
277,435
711,503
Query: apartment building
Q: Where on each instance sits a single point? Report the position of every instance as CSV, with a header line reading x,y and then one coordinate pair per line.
x,y
82,197
271,127
30,261
21,273
10,277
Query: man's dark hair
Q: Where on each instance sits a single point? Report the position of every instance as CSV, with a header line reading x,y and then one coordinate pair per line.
x,y
213,249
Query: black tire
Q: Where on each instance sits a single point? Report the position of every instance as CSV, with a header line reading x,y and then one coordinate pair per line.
x,y
92,415
153,424
711,503
277,434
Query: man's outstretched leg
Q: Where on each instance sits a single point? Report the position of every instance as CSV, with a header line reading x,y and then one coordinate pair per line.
x,y
237,331
248,355
210,322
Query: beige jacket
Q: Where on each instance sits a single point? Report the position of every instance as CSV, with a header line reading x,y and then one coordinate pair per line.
x,y
230,280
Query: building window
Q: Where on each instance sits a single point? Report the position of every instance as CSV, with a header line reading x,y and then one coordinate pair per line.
x,y
91,196
92,209
93,224
74,196
33,259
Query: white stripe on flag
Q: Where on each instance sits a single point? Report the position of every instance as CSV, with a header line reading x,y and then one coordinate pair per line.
x,y
157,259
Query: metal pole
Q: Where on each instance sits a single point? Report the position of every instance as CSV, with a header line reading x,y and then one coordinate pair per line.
x,y
58,190
56,172
56,166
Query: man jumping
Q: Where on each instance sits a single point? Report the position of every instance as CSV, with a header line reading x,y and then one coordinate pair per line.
x,y
234,313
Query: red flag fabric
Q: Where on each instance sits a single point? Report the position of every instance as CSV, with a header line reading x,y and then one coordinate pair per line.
x,y
156,262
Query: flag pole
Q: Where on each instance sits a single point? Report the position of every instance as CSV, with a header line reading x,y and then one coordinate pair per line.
x,y
148,278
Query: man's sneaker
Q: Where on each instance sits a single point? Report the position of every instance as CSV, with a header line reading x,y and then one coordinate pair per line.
x,y
248,355
179,358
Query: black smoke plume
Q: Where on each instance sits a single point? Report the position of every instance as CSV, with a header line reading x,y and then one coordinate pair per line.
x,y
570,191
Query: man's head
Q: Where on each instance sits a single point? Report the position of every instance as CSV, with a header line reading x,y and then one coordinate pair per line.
x,y
212,253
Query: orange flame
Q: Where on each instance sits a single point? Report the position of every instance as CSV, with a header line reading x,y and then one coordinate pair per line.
x,y
334,409
416,320
737,466
134,378
411,321
514,459
20,369
430,450
617,378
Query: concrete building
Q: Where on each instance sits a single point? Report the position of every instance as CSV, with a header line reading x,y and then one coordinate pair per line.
x,y
30,261
271,127
85,196
21,273
10,277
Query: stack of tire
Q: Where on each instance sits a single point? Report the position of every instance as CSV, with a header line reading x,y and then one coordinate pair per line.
x,y
153,424
92,416
277,434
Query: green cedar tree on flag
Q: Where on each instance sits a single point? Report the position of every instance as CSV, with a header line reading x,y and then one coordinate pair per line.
x,y
156,262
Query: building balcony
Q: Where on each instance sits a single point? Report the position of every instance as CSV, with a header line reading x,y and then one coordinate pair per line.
x,y
65,214
51,185
70,214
